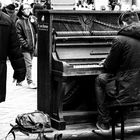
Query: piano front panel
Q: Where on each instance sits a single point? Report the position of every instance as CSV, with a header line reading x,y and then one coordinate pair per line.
x,y
81,54
78,39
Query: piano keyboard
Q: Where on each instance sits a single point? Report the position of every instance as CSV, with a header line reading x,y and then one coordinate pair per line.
x,y
87,66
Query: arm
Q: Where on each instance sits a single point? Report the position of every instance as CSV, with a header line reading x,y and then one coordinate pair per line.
x,y
15,55
21,35
113,61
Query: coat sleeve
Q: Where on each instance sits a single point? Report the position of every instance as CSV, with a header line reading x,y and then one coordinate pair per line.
x,y
21,36
113,60
15,55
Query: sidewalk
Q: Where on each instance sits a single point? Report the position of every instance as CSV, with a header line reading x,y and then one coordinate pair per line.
x,y
18,100
24,100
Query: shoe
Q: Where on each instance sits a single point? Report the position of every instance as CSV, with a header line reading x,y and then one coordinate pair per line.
x,y
118,124
19,84
103,127
32,86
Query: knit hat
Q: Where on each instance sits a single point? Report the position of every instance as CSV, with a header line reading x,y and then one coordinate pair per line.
x,y
10,8
129,17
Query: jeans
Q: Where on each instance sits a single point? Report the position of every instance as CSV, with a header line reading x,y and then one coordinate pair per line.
x,y
120,89
105,90
28,61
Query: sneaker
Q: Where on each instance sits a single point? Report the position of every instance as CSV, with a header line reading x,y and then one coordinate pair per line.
x,y
19,84
32,86
103,127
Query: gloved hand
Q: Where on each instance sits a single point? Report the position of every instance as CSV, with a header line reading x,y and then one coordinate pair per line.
x,y
19,75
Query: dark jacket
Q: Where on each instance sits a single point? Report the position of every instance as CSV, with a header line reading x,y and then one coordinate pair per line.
x,y
125,51
124,59
9,47
24,35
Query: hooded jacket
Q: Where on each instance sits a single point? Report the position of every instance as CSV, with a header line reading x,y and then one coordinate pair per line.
x,y
24,34
124,62
125,51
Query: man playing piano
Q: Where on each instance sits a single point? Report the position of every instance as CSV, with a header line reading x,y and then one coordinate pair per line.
x,y
120,68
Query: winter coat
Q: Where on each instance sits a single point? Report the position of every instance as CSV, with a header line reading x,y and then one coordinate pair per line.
x,y
24,35
124,62
9,47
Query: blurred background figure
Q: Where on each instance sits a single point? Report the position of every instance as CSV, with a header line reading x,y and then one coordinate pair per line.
x,y
47,4
114,5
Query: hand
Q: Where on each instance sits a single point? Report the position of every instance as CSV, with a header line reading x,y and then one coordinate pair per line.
x,y
102,62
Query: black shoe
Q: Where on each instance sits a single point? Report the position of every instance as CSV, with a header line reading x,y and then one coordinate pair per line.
x,y
104,127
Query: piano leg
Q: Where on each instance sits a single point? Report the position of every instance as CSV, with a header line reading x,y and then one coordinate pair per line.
x,y
57,104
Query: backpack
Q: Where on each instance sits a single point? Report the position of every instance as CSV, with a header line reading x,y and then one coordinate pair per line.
x,y
34,122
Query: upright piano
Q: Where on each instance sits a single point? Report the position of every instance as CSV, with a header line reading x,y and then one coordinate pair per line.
x,y
71,45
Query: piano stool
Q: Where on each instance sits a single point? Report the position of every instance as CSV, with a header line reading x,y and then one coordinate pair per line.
x,y
120,108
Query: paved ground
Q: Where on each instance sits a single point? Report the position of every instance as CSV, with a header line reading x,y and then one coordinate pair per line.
x,y
18,100
23,100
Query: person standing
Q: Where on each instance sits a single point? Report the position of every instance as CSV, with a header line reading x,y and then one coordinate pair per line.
x,y
27,37
121,70
9,47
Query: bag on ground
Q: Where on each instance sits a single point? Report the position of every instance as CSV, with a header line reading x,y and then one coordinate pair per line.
x,y
34,122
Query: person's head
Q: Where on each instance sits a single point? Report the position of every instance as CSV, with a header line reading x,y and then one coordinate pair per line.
x,y
24,10
128,18
10,9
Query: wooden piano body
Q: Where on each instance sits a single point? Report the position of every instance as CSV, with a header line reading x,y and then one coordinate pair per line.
x,y
70,46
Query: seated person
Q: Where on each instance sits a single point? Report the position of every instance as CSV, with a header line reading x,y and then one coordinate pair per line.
x,y
120,69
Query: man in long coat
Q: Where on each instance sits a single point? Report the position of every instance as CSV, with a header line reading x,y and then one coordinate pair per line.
x,y
9,49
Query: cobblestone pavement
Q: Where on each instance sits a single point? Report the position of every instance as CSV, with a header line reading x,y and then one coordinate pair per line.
x,y
18,100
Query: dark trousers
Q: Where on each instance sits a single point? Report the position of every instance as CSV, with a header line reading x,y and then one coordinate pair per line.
x,y
105,93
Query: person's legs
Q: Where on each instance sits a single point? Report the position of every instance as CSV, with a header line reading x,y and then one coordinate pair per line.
x,y
28,62
101,99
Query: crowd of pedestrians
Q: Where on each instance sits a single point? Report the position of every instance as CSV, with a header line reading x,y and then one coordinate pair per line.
x,y
25,23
